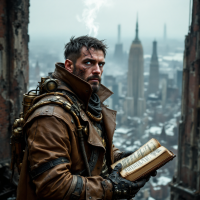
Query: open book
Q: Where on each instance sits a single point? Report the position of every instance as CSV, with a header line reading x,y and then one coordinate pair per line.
x,y
151,156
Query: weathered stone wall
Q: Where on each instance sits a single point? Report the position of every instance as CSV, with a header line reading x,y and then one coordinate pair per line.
x,y
14,67
186,184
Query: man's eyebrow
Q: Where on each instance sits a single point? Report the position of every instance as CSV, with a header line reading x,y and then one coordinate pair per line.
x,y
89,59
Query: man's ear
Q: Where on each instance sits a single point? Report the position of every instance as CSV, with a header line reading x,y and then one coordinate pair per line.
x,y
69,66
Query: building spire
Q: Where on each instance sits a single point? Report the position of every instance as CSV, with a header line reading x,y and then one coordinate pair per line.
x,y
154,54
119,33
136,32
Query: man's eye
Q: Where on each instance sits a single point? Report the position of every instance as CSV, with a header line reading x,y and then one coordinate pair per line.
x,y
101,64
88,63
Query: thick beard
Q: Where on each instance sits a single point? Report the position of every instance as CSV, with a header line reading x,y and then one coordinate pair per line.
x,y
81,74
95,87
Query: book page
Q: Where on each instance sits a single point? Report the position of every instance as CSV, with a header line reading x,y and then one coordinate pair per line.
x,y
147,148
140,163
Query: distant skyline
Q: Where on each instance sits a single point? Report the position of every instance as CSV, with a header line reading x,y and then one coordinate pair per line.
x,y
57,19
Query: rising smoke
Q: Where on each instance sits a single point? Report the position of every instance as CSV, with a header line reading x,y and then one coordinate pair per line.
x,y
89,14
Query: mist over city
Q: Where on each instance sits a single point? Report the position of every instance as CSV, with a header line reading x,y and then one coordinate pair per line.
x,y
144,69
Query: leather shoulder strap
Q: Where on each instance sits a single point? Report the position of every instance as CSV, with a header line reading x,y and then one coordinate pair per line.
x,y
46,106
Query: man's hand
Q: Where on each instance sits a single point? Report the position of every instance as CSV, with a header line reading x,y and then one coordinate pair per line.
x,y
122,188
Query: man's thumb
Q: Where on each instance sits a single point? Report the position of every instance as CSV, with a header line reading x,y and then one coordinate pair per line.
x,y
118,167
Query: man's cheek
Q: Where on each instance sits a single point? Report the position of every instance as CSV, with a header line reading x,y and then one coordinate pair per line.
x,y
80,73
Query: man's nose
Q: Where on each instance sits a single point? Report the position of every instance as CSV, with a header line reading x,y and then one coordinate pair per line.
x,y
96,69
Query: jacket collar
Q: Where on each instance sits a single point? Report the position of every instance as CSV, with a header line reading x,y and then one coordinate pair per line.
x,y
79,87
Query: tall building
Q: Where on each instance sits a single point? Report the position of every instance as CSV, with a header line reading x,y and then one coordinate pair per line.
x,y
154,72
186,183
14,68
110,82
165,32
118,53
135,91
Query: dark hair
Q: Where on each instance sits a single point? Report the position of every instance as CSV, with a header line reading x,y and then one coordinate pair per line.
x,y
73,48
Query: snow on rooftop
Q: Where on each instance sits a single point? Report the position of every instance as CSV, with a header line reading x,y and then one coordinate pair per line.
x,y
153,95
128,142
151,198
170,131
117,144
163,180
150,118
178,114
155,130
132,148
157,188
169,127
137,142
123,130
176,56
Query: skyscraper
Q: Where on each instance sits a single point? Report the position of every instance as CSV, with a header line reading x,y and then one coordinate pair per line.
x,y
165,33
118,53
154,71
136,78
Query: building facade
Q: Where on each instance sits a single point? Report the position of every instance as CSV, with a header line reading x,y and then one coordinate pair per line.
x,y
135,92
153,86
118,53
186,183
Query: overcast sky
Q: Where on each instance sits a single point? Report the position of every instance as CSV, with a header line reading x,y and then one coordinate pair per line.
x,y
63,18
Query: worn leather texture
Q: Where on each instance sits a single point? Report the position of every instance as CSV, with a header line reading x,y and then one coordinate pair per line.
x,y
51,133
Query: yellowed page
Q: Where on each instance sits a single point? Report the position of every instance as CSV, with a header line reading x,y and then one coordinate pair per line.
x,y
147,148
144,161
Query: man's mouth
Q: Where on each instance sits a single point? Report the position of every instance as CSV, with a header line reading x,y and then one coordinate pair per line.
x,y
94,79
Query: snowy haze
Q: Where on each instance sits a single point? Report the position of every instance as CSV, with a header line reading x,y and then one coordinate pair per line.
x,y
64,18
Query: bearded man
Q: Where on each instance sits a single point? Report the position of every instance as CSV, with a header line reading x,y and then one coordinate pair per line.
x,y
53,167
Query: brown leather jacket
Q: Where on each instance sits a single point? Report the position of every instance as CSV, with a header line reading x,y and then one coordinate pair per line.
x,y
52,133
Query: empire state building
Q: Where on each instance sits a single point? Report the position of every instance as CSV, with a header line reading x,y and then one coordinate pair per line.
x,y
135,91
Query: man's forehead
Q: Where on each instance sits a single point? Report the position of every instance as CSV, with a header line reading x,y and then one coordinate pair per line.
x,y
91,52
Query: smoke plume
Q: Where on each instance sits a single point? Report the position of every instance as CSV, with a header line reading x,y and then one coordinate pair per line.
x,y
89,14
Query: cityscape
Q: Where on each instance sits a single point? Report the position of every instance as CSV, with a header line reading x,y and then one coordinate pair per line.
x,y
155,85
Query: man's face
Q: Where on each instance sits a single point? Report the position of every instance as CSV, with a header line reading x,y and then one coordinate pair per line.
x,y
89,67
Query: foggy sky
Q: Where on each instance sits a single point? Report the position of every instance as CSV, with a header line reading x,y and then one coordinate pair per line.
x,y
58,18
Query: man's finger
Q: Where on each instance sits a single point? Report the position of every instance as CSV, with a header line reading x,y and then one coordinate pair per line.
x,y
118,167
154,173
141,183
